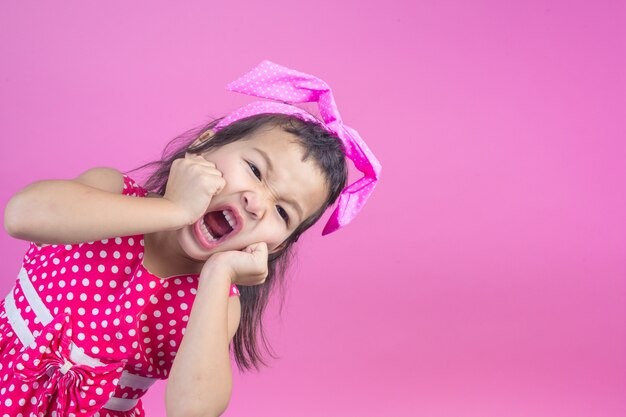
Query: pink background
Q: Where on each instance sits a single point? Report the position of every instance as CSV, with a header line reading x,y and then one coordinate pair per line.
x,y
486,276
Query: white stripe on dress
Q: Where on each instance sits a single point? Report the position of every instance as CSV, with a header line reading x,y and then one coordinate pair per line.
x,y
136,381
36,303
17,322
120,404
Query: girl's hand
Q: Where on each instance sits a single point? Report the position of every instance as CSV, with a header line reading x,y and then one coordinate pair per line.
x,y
246,267
192,183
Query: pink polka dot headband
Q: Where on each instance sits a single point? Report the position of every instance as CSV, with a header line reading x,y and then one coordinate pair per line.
x,y
273,81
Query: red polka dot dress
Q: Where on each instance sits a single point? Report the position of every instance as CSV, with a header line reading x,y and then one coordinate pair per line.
x,y
87,329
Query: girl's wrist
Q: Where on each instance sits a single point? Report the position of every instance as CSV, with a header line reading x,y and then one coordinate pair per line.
x,y
216,274
180,215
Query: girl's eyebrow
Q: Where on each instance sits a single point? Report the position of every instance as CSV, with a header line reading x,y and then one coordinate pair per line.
x,y
268,161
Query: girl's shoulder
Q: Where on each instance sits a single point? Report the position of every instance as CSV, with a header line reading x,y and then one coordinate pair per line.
x,y
111,180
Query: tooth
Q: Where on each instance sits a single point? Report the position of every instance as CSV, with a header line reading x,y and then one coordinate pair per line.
x,y
229,218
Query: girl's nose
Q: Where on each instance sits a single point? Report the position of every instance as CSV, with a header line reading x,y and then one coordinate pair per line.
x,y
255,203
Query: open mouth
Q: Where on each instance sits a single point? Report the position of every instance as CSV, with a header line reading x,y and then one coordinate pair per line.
x,y
217,226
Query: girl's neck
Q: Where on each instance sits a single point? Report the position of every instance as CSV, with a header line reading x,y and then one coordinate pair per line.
x,y
161,256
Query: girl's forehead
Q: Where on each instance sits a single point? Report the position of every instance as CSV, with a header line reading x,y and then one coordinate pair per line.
x,y
273,136
278,145
279,148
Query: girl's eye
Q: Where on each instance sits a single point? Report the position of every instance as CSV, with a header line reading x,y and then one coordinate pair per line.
x,y
283,214
281,211
255,170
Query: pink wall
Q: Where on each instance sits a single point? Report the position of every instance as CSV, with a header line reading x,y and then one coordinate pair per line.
x,y
486,277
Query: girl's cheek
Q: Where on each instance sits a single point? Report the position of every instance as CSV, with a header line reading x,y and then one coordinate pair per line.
x,y
270,234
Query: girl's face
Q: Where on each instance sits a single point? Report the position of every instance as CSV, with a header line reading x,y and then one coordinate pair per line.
x,y
269,191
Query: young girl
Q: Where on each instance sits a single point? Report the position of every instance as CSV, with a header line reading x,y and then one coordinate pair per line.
x,y
116,275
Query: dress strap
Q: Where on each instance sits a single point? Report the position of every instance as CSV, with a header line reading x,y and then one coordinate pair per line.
x,y
234,290
132,188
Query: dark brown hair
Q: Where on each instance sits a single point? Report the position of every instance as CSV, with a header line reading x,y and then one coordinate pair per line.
x,y
317,143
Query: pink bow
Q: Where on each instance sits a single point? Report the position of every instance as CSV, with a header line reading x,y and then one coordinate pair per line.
x,y
79,389
273,81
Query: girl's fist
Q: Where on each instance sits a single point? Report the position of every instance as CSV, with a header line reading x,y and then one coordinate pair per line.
x,y
192,183
246,267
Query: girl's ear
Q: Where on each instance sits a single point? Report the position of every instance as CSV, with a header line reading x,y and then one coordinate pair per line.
x,y
203,138
200,140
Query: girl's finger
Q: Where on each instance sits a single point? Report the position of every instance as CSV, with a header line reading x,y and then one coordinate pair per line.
x,y
214,171
258,248
198,158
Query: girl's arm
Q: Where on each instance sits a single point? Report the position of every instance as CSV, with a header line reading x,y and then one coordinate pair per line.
x,y
70,211
200,380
